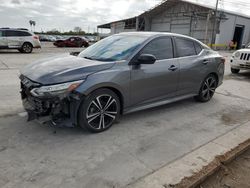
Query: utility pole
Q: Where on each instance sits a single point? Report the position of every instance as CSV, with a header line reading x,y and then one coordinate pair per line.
x,y
215,23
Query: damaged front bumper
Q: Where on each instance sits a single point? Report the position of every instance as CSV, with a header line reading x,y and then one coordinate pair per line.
x,y
57,109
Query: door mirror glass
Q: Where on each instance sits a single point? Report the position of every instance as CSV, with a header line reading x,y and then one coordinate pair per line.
x,y
146,59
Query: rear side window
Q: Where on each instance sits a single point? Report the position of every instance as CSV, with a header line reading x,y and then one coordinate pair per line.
x,y
198,47
161,48
185,47
24,33
1,33
13,33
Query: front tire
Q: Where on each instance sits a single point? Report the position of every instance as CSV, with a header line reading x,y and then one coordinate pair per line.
x,y
27,48
207,89
235,71
99,110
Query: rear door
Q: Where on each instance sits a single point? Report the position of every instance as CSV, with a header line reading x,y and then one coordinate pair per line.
x,y
158,81
192,65
3,40
14,38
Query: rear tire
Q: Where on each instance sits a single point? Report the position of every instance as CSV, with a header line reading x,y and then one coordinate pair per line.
x,y
27,48
207,89
99,110
235,71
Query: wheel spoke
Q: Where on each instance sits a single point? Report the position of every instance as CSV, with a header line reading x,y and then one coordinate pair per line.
x,y
103,122
96,105
206,83
110,115
98,102
93,118
92,115
100,122
212,89
204,92
208,94
212,82
108,104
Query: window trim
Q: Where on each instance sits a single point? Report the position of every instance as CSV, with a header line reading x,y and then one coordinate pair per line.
x,y
193,41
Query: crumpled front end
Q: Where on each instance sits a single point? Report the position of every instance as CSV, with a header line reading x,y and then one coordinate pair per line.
x,y
56,108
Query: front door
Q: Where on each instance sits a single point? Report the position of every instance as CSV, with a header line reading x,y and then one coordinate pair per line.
x,y
158,81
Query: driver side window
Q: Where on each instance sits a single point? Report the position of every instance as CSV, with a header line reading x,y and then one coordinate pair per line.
x,y
161,48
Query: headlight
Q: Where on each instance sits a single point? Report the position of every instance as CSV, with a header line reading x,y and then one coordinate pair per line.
x,y
237,54
56,89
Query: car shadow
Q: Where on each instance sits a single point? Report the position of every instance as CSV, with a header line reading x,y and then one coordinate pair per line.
x,y
242,76
61,130
160,109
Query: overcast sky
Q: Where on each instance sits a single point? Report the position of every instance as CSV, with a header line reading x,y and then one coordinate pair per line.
x,y
66,14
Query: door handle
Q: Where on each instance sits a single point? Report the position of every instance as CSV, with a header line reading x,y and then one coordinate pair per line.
x,y
205,61
172,68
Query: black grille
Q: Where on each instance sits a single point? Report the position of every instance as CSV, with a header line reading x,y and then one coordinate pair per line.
x,y
245,56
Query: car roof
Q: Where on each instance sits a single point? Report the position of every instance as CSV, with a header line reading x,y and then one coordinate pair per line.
x,y
158,34
16,29
150,34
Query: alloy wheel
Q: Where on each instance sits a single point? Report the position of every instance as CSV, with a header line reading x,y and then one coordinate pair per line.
x,y
208,88
27,48
102,112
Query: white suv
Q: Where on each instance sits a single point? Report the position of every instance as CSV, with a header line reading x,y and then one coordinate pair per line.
x,y
20,39
240,60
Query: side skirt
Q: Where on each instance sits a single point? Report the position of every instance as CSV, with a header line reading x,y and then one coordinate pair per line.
x,y
157,103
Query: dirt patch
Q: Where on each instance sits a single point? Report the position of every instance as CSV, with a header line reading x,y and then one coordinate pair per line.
x,y
243,76
199,179
236,174
233,117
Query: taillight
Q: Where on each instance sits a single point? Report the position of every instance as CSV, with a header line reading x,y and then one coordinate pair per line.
x,y
223,60
35,37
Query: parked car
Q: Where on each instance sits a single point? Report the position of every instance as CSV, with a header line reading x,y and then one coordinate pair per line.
x,y
120,74
21,39
240,60
52,38
71,42
91,38
43,38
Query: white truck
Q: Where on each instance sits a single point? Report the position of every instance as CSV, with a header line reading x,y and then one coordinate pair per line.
x,y
240,60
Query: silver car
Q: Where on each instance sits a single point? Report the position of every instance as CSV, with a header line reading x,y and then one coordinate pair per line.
x,y
20,39
120,74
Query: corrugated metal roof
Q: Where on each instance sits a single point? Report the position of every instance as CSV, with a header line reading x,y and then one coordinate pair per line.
x,y
168,3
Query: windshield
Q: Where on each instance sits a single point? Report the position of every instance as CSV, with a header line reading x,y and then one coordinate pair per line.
x,y
114,48
248,46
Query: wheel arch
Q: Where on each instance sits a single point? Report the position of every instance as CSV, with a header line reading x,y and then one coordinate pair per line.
x,y
27,42
114,89
216,76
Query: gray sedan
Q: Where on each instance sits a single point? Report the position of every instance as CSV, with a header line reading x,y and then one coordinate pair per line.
x,y
118,75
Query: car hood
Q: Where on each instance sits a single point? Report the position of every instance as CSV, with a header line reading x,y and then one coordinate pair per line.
x,y
63,68
244,50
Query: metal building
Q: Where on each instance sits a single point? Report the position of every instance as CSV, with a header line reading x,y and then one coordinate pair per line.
x,y
195,20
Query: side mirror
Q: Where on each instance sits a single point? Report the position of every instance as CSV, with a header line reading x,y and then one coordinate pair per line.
x,y
243,46
146,59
